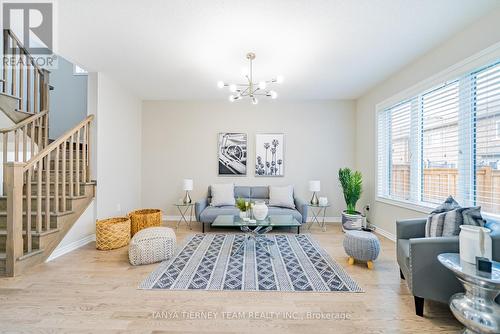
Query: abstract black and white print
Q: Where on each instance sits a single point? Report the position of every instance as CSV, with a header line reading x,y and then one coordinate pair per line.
x,y
232,149
269,154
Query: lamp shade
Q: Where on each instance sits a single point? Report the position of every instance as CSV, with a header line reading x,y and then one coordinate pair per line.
x,y
187,184
314,186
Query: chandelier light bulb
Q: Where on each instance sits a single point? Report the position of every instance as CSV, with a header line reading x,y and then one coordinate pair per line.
x,y
248,88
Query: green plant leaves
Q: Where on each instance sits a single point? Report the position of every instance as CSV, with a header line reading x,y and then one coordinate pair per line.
x,y
351,183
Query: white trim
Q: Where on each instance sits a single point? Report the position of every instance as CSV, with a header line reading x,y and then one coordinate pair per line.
x,y
309,219
71,247
384,233
406,204
497,130
479,59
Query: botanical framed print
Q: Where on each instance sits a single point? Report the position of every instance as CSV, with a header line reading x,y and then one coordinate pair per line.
x,y
232,151
269,157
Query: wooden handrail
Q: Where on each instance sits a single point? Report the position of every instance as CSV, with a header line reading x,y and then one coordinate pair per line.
x,y
52,146
25,122
25,51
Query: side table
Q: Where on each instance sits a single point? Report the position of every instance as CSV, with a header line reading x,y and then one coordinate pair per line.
x,y
317,217
183,210
476,308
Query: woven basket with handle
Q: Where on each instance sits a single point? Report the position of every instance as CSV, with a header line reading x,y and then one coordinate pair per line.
x,y
112,233
144,218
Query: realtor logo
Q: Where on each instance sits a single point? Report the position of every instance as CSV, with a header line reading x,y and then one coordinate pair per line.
x,y
32,24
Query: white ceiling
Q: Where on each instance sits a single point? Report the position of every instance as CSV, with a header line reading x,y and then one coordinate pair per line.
x,y
179,49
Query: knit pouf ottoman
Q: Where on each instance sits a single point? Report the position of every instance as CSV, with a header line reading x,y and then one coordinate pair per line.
x,y
362,246
150,245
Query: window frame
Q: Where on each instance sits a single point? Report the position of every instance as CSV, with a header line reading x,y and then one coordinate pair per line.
x,y
464,70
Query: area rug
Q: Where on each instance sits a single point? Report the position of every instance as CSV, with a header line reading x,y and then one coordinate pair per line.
x,y
210,262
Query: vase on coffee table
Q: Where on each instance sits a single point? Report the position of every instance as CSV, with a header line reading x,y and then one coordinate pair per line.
x,y
260,210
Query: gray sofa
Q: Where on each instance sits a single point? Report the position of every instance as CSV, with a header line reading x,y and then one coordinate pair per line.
x,y
206,214
425,276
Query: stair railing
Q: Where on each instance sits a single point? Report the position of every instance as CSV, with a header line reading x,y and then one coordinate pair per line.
x,y
70,155
23,77
25,139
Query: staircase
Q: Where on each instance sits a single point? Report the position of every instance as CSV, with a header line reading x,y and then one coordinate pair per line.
x,y
46,186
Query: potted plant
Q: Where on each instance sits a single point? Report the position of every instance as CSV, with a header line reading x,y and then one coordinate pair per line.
x,y
243,206
351,183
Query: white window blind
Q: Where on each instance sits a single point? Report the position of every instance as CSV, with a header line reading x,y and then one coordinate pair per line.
x,y
444,141
487,153
440,109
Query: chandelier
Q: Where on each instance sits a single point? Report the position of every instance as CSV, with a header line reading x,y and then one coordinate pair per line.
x,y
251,89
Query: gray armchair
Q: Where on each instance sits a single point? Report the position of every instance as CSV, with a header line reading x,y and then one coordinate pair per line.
x,y
425,276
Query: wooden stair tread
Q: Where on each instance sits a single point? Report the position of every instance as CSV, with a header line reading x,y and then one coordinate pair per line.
x,y
50,196
52,214
12,96
34,233
3,256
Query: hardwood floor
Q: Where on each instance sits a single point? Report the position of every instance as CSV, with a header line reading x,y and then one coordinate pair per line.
x,y
96,291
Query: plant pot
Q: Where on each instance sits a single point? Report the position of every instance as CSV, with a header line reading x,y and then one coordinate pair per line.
x,y
243,214
260,210
352,221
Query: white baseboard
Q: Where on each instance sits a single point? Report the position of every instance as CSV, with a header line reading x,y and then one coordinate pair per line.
x,y
384,233
309,219
70,247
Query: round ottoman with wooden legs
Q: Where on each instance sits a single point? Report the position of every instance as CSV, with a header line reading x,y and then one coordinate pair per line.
x,y
361,246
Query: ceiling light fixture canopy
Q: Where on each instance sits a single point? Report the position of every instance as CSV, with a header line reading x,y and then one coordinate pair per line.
x,y
251,89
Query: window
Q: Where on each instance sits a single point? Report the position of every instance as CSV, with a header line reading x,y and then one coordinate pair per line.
x,y
77,70
443,141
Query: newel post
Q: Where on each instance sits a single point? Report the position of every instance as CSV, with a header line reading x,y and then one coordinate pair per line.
x,y
13,172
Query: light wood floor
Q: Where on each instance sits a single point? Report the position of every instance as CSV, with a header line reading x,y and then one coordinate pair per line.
x,y
96,291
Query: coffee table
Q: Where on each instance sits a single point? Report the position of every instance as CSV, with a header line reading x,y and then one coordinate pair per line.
x,y
255,231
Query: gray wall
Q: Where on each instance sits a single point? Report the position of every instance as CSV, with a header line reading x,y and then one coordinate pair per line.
x,y
68,100
179,140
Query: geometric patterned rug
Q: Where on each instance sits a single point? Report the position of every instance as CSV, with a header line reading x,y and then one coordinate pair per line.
x,y
210,262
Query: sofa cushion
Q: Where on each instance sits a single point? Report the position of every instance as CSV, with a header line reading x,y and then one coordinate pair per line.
x,y
275,211
222,194
259,192
281,197
242,191
210,213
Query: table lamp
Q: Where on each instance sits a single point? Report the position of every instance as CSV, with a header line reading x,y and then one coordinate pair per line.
x,y
187,186
314,186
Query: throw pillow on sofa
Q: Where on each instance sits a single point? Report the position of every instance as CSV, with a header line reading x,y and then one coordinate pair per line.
x,y
445,220
281,197
222,194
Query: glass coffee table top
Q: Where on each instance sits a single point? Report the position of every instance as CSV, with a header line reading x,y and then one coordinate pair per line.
x,y
230,220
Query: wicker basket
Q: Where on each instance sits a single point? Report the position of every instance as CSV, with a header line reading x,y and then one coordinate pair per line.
x,y
144,218
112,233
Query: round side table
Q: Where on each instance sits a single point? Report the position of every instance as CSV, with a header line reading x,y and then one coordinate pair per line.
x,y
476,308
